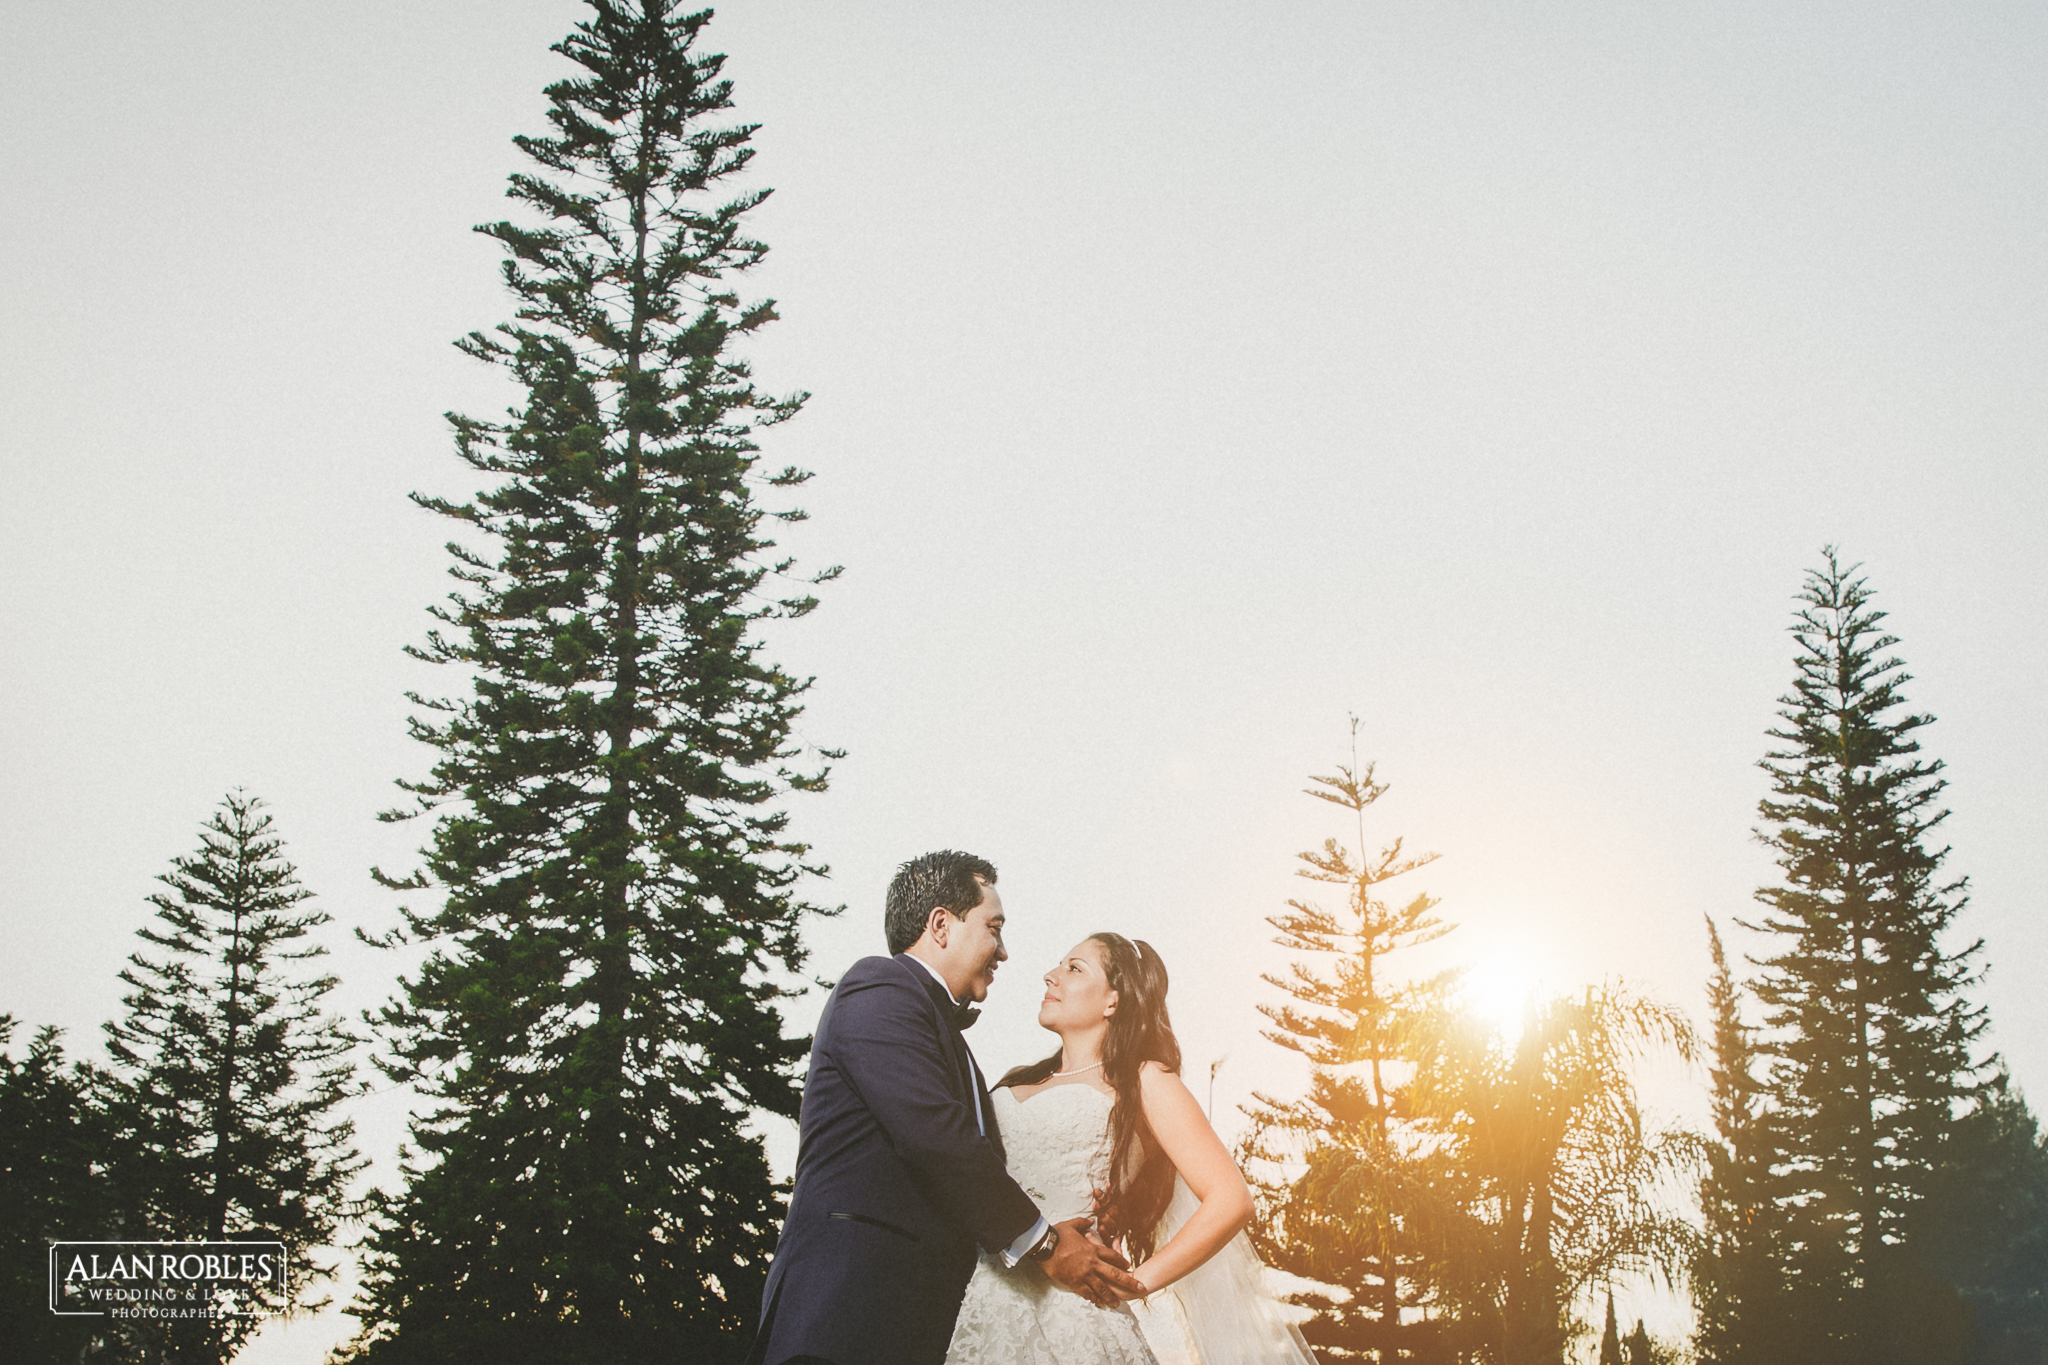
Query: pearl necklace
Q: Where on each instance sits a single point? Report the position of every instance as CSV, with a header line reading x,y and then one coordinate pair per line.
x,y
1079,1070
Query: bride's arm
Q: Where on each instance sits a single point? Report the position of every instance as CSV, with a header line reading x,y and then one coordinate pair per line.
x,y
1198,1154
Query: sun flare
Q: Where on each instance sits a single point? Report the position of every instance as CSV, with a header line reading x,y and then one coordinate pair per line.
x,y
1499,986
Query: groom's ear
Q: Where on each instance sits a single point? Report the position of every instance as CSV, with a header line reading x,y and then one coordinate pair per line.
x,y
938,925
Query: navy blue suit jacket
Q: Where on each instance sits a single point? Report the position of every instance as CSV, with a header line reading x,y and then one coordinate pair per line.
x,y
895,1187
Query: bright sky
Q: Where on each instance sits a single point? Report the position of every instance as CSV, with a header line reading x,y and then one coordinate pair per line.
x,y
1186,376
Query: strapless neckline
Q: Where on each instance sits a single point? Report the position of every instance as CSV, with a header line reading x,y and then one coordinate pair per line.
x,y
1058,1153
1021,1101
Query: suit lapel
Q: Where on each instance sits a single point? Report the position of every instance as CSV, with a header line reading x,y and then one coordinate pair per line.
x,y
995,1131
973,1086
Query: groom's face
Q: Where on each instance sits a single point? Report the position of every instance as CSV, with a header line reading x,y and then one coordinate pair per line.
x,y
975,945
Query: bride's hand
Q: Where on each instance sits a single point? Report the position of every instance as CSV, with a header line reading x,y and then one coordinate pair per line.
x,y
1096,1209
1083,1265
1124,1291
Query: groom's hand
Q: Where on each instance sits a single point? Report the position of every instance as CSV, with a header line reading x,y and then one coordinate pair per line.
x,y
1086,1267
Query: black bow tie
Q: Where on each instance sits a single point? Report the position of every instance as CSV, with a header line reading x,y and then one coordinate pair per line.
x,y
964,1015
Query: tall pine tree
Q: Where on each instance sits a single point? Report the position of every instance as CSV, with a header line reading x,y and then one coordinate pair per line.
x,y
229,1074
1987,1228
60,1154
1355,1215
1868,1031
597,1015
1735,1289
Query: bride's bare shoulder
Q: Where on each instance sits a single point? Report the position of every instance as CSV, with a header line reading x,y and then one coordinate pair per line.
x,y
1158,1073
1162,1086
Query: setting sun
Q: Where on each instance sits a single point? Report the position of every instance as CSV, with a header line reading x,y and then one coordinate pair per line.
x,y
1499,986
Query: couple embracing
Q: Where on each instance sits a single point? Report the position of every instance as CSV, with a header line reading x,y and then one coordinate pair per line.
x,y
938,1219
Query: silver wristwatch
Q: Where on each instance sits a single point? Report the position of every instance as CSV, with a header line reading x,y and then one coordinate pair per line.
x,y
1042,1249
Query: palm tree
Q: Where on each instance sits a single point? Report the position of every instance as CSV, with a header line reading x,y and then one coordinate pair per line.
x,y
1550,1181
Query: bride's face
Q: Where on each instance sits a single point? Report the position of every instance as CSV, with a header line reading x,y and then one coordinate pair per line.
x,y
1077,993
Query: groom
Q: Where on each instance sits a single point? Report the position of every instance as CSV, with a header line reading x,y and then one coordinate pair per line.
x,y
899,1168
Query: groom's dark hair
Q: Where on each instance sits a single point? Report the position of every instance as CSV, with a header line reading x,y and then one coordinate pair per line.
x,y
945,879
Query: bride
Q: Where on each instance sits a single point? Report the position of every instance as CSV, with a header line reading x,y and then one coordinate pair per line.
x,y
1106,1125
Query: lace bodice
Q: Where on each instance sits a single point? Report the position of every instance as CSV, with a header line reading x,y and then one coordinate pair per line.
x,y
1057,1145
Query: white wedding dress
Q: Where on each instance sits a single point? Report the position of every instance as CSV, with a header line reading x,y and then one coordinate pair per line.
x,y
1057,1144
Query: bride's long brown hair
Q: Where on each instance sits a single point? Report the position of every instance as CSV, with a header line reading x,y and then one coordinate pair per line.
x,y
1139,1032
